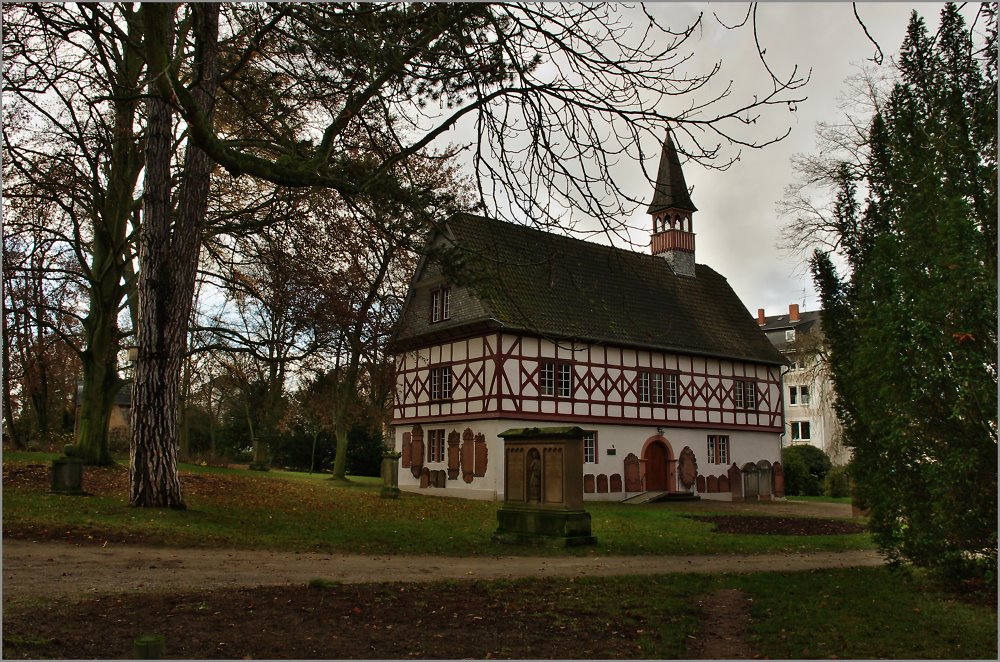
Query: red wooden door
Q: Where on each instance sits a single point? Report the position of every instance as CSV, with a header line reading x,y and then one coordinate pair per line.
x,y
656,467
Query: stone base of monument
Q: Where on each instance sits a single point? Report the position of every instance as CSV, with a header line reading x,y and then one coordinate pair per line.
x,y
544,528
543,495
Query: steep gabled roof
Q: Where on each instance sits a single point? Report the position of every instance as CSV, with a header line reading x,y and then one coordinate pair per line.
x,y
670,189
565,288
807,318
775,325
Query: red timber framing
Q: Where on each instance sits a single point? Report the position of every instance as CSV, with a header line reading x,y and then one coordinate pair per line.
x,y
498,375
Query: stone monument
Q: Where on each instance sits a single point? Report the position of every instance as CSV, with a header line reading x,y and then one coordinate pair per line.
x,y
543,488
67,472
390,475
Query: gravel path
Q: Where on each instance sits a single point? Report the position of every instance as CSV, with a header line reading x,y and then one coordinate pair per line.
x,y
34,570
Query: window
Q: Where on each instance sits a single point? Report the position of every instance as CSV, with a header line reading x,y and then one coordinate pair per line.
x,y
445,382
441,382
789,335
718,449
798,395
643,387
435,446
565,380
547,379
441,304
590,447
745,395
548,376
671,389
658,389
800,431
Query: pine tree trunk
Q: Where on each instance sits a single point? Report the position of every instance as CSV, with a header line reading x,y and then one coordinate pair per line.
x,y
153,475
167,264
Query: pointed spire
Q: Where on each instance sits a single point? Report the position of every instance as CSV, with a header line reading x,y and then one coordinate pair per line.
x,y
670,191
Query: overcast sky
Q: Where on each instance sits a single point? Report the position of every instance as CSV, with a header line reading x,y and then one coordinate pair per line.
x,y
737,226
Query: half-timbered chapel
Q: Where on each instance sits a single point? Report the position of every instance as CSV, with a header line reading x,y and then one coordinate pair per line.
x,y
653,355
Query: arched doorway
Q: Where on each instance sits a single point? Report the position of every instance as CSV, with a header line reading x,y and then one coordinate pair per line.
x,y
658,459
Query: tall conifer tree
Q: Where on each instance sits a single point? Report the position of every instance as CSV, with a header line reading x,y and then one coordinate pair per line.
x,y
913,328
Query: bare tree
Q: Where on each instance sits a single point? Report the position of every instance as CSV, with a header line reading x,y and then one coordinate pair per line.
x,y
555,92
71,143
40,296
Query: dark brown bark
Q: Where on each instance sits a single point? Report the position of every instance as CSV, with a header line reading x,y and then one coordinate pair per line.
x,y
168,260
12,432
110,260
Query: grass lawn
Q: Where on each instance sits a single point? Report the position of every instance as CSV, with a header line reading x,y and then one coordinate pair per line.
x,y
820,499
296,511
853,613
850,613
865,613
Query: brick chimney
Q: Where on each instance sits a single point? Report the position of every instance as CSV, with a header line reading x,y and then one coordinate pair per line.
x,y
760,317
793,312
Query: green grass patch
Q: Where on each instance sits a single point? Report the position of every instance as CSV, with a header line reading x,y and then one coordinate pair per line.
x,y
820,499
862,613
865,613
298,511
26,456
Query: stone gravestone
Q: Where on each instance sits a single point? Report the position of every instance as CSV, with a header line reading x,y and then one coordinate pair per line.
x,y
543,488
67,472
390,475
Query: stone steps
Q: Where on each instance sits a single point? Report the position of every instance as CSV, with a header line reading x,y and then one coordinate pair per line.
x,y
655,496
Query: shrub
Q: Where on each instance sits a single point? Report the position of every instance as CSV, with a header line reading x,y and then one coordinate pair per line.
x,y
837,482
805,469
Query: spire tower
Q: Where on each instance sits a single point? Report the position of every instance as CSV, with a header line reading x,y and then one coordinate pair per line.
x,y
671,211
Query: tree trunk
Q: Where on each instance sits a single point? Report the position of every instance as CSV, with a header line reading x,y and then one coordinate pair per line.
x,y
340,454
40,384
345,394
153,479
185,422
100,385
167,262
258,457
211,422
312,456
110,265
8,409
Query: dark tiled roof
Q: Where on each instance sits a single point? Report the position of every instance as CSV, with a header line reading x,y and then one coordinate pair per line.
x,y
775,326
559,287
670,190
807,319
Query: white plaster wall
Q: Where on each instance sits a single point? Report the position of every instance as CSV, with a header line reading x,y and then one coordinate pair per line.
x,y
744,447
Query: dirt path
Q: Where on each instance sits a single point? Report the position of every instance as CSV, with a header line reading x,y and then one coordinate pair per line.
x,y
47,569
725,618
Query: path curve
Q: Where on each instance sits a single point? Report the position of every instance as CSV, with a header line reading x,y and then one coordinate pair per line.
x,y
49,569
